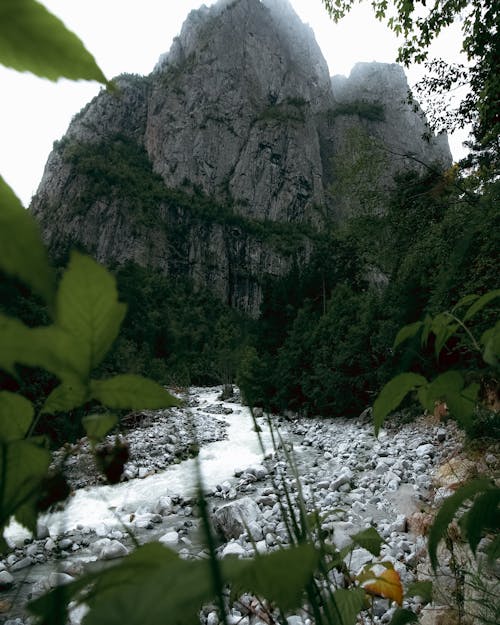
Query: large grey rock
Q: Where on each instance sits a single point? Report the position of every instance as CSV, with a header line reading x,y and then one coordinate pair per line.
x,y
231,518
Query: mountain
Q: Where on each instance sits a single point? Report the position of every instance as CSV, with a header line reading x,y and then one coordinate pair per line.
x,y
228,161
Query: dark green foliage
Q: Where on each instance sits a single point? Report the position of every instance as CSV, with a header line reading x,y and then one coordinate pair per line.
x,y
324,339
173,333
372,111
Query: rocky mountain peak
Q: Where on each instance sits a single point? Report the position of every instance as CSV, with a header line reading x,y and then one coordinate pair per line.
x,y
223,161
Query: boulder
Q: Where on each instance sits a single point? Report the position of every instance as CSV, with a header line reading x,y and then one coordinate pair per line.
x,y
231,518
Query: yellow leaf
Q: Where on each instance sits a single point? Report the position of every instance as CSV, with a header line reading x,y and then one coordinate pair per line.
x,y
387,585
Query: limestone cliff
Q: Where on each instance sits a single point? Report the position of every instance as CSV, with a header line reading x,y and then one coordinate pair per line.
x,y
225,161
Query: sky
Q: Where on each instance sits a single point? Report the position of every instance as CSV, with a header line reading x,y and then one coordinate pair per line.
x,y
129,36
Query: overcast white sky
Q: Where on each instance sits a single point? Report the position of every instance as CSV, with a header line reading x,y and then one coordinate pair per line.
x,y
129,36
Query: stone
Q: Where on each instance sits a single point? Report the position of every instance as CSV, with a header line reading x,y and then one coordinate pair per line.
x,y
455,472
42,531
115,549
231,518
425,450
441,435
59,579
212,618
233,549
6,580
438,615
164,506
170,538
21,564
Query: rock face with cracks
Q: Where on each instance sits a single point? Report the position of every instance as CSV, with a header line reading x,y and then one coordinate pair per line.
x,y
221,163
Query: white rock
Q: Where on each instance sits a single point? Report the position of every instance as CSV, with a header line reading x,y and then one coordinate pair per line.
x,y
6,579
77,613
212,618
358,558
101,529
233,549
231,518
21,564
164,505
425,450
50,545
59,579
170,538
114,550
42,531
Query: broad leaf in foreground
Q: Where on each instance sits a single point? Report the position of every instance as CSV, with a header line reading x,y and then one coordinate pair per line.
x,y
448,510
382,580
16,415
402,617
280,576
393,394
346,605
23,253
67,396
47,347
369,539
421,589
23,465
88,308
34,40
131,392
98,425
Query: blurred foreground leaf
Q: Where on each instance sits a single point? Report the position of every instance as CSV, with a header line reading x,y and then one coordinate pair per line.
x,y
34,40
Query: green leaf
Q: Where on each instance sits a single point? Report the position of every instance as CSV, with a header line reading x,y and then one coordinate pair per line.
x,y
444,327
465,301
47,347
23,253
481,303
483,516
16,415
462,405
280,576
34,40
448,510
98,425
347,604
393,394
88,308
23,466
491,342
131,392
402,616
67,396
369,539
420,589
407,332
441,388
151,585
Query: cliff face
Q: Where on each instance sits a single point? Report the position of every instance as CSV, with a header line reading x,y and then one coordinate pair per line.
x,y
223,162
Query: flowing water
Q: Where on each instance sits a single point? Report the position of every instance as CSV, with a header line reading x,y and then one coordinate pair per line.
x,y
112,505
